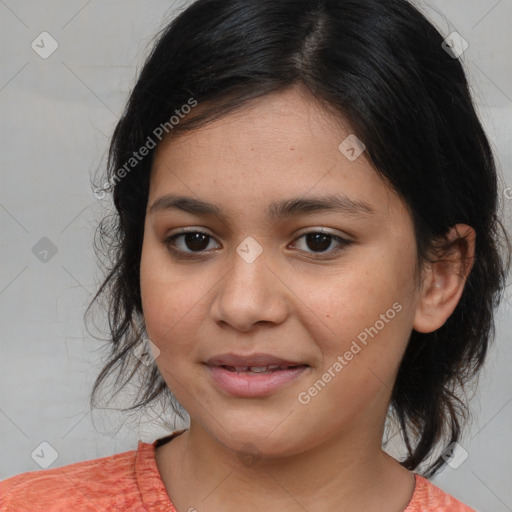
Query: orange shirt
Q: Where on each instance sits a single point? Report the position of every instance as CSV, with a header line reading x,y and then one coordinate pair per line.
x,y
130,482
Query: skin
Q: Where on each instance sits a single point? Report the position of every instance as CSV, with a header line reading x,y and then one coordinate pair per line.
x,y
326,454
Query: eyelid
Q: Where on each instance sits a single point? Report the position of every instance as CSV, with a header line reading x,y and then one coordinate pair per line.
x,y
190,229
326,231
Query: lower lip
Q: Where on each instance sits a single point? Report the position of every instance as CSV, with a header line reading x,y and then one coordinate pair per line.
x,y
246,384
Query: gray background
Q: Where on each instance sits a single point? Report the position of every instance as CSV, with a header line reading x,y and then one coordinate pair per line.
x,y
56,116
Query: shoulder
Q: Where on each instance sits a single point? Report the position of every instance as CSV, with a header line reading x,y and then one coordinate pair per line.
x,y
428,497
80,486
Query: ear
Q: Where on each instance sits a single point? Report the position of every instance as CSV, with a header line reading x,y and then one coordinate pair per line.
x,y
444,280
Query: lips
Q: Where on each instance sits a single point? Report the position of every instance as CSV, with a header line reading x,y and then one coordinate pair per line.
x,y
254,375
248,381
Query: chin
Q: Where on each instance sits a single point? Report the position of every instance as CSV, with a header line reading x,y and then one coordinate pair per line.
x,y
248,440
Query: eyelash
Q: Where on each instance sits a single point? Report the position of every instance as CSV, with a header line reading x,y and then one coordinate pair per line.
x,y
169,242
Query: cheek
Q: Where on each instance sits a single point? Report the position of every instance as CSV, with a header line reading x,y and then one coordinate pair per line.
x,y
362,335
172,317
365,310
167,299
171,312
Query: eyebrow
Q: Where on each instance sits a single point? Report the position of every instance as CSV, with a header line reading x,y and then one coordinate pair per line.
x,y
338,203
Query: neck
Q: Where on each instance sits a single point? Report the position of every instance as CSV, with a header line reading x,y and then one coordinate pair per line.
x,y
344,472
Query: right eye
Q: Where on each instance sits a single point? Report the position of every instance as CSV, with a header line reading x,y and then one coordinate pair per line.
x,y
196,241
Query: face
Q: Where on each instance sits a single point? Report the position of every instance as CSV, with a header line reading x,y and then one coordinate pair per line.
x,y
329,291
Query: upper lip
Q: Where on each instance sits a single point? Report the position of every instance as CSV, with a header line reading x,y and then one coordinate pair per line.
x,y
258,360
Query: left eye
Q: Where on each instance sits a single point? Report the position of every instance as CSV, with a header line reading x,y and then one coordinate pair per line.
x,y
320,241
197,242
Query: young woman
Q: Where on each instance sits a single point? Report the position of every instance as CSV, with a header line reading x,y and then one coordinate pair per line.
x,y
308,242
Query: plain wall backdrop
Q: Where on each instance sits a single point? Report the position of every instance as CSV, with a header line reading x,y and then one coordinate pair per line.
x,y
56,116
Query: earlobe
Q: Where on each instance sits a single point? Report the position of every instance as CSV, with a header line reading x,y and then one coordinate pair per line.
x,y
445,279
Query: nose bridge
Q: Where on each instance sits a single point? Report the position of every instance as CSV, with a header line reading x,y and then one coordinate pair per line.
x,y
247,278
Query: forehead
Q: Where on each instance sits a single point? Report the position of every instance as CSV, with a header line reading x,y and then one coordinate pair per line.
x,y
279,146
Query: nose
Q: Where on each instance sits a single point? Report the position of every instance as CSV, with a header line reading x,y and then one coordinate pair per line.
x,y
251,292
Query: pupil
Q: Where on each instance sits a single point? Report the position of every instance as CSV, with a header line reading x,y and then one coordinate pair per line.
x,y
194,243
319,241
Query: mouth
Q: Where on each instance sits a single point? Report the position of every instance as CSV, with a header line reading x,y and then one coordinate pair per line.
x,y
255,375
260,369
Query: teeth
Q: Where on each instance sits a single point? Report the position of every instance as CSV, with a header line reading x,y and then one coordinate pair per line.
x,y
258,369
